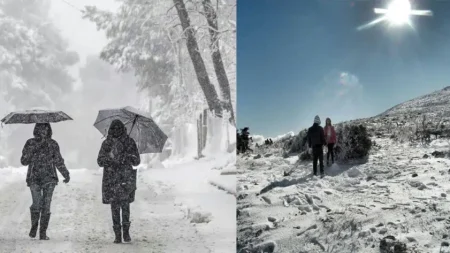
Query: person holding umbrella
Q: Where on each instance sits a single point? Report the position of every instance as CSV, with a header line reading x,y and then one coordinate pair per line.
x,y
129,132
118,154
42,156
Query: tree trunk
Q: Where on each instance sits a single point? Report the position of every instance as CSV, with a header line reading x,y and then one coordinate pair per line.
x,y
211,96
211,17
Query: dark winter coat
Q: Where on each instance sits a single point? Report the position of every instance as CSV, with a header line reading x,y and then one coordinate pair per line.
x,y
316,136
245,135
43,157
118,154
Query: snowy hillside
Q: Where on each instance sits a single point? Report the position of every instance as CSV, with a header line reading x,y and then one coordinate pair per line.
x,y
436,102
433,109
403,194
398,196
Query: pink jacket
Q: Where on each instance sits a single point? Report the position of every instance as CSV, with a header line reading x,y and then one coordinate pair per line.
x,y
330,134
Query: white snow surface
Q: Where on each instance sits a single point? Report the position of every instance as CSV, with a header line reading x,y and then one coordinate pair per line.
x,y
349,210
434,102
176,210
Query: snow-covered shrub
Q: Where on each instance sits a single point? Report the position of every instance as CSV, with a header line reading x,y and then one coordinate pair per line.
x,y
353,142
305,156
404,134
299,142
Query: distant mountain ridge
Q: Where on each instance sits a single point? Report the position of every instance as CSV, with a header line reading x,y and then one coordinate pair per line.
x,y
435,106
433,103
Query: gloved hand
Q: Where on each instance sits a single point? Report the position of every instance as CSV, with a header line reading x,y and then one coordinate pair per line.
x,y
110,162
66,180
128,159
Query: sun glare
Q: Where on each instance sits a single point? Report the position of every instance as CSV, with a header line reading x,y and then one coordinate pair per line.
x,y
398,12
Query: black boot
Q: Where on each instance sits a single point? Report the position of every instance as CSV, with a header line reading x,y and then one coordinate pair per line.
x,y
34,223
126,231
45,218
115,211
118,233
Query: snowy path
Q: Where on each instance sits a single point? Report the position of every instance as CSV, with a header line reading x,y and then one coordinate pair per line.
x,y
81,223
398,192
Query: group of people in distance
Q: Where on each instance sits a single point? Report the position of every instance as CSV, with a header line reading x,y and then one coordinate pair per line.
x,y
317,137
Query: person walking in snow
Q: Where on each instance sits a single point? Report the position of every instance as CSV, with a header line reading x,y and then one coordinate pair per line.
x,y
316,141
42,156
238,142
331,139
245,135
118,154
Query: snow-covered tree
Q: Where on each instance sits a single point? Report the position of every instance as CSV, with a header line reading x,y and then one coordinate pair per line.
x,y
102,88
148,38
34,61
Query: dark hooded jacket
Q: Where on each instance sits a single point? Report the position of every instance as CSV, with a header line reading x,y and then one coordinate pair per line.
x,y
316,136
43,157
245,135
118,154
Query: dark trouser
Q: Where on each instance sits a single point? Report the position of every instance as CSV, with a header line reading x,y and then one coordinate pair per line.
x,y
115,210
318,155
42,197
244,146
330,152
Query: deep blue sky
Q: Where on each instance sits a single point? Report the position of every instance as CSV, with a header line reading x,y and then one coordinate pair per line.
x,y
291,54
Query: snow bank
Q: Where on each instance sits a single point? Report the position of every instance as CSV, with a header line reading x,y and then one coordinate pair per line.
x,y
440,143
212,209
184,141
10,175
226,183
221,134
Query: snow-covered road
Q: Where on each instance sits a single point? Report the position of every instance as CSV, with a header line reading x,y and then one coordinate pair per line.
x,y
81,223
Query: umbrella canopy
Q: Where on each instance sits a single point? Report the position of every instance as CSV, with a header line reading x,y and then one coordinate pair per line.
x,y
140,126
35,116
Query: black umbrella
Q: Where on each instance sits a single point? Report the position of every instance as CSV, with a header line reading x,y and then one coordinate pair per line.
x,y
140,126
35,116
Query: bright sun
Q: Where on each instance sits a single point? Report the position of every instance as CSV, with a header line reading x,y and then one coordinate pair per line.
x,y
398,12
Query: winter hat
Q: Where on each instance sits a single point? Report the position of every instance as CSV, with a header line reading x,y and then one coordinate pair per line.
x,y
317,120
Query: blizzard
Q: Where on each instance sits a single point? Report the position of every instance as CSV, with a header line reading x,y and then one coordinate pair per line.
x,y
176,209
185,199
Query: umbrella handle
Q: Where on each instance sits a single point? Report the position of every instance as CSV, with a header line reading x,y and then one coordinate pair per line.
x,y
134,123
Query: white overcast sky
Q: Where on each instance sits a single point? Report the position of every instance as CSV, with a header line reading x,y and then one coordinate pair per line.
x,y
81,34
